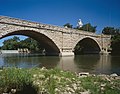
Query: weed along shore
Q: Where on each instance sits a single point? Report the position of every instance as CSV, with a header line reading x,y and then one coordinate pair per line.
x,y
56,81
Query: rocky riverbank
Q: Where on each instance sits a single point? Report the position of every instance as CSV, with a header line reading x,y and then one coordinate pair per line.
x,y
55,81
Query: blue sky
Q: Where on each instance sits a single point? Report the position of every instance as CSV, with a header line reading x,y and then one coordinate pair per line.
x,y
99,13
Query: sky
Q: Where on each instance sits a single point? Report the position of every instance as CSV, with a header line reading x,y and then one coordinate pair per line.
x,y
100,13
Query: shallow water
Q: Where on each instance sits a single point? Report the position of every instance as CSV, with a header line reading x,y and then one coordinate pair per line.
x,y
97,64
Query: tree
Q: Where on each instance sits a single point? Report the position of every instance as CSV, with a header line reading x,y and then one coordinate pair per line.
x,y
88,27
115,39
68,25
31,44
11,44
110,31
15,38
15,43
115,44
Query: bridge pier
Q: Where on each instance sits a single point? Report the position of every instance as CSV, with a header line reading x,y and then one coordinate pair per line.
x,y
105,51
66,54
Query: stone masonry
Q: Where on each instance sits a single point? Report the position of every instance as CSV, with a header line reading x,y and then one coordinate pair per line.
x,y
58,40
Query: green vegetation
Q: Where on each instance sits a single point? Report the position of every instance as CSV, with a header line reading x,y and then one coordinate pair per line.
x,y
15,43
13,80
68,25
110,31
88,27
55,81
31,44
115,39
11,44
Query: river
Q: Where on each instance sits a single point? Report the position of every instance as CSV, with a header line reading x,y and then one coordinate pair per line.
x,y
97,64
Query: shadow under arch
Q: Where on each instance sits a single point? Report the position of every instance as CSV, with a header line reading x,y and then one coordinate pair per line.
x,y
50,47
87,45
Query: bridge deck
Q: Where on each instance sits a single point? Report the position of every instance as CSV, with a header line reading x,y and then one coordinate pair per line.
x,y
19,22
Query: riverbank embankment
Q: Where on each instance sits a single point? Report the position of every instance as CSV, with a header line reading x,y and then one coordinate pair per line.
x,y
55,81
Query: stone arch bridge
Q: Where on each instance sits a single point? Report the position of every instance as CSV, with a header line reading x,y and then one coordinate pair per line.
x,y
56,40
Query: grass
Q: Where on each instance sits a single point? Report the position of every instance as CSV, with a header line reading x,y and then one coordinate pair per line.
x,y
98,85
14,78
54,81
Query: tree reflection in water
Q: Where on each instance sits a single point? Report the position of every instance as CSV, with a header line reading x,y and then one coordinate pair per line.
x,y
97,64
29,61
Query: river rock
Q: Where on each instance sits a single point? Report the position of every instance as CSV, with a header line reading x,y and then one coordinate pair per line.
x,y
103,85
107,78
74,86
13,91
85,92
83,74
117,78
114,75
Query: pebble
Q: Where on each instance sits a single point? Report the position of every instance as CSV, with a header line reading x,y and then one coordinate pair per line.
x,y
103,85
74,86
86,92
114,75
13,90
83,73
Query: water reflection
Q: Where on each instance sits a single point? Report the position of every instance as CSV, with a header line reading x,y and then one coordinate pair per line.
x,y
49,61
67,63
103,65
86,63
115,64
28,61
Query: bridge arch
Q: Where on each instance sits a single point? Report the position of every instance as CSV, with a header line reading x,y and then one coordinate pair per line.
x,y
87,45
50,46
56,39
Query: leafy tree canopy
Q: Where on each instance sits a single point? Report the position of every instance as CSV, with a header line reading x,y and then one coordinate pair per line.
x,y
68,25
115,43
15,43
88,27
110,31
31,44
11,44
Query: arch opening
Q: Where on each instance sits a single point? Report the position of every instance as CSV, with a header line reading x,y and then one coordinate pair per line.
x,y
87,46
49,46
